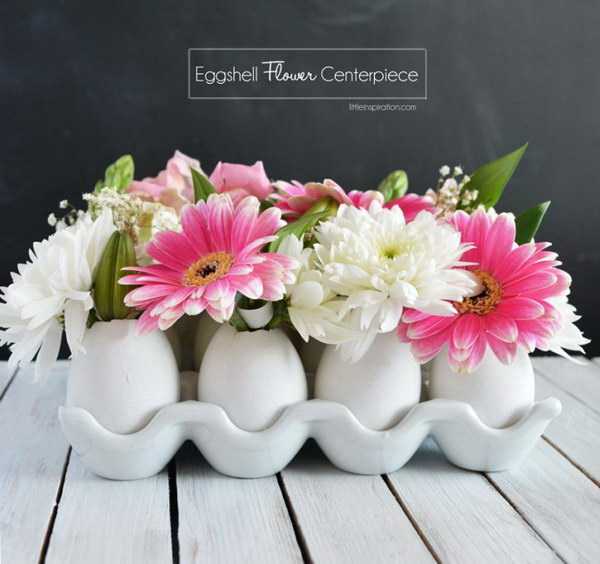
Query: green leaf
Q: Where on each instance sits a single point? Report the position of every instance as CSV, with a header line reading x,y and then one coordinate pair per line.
x,y
529,221
280,315
491,178
394,185
202,186
297,228
118,175
266,204
326,204
238,321
109,295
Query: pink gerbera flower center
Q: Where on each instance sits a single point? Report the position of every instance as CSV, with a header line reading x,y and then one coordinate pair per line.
x,y
208,269
487,301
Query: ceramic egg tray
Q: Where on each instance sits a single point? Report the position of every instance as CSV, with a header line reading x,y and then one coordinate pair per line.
x,y
454,425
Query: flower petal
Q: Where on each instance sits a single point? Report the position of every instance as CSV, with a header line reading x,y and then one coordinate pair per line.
x,y
501,326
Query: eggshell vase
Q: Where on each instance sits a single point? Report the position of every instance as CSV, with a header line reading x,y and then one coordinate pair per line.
x,y
379,389
500,395
123,380
174,339
205,330
253,375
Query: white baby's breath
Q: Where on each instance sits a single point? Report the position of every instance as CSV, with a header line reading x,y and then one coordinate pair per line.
x,y
139,218
132,215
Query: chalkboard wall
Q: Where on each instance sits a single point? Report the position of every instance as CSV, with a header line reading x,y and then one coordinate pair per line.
x,y
84,82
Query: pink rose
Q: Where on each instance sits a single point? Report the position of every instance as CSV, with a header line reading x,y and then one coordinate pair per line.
x,y
294,199
412,204
364,199
241,180
172,187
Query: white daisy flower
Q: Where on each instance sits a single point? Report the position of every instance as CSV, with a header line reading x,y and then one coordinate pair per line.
x,y
568,336
313,310
54,287
380,264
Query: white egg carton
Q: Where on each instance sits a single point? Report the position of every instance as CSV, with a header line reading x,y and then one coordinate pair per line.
x,y
454,425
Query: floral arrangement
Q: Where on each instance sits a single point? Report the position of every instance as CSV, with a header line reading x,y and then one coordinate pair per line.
x,y
442,269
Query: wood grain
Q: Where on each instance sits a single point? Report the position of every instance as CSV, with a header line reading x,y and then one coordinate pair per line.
x,y
462,515
348,518
224,519
557,500
33,452
576,431
105,521
581,381
544,509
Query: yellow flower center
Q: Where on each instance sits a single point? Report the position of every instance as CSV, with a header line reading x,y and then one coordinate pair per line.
x,y
208,269
487,301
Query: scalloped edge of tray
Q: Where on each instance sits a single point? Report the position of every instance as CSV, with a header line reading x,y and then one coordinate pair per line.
x,y
454,425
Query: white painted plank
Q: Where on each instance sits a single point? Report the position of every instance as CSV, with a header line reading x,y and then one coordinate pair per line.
x,y
559,502
461,514
346,517
32,457
223,519
582,381
102,521
5,376
576,430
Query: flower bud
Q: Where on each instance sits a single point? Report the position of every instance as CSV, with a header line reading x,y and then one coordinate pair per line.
x,y
326,204
394,185
109,295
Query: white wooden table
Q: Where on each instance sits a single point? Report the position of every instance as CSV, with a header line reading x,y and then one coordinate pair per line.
x,y
54,510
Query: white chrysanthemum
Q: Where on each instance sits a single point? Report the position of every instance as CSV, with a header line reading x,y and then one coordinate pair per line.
x,y
54,286
314,311
568,336
380,265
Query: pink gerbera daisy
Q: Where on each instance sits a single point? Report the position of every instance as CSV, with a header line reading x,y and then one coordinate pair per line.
x,y
216,255
514,308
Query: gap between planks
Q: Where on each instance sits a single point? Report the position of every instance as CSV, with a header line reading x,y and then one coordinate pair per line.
x,y
541,369
302,544
573,463
10,380
52,520
173,509
297,529
490,481
540,374
410,517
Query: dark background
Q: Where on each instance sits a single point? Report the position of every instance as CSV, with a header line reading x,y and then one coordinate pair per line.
x,y
84,82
